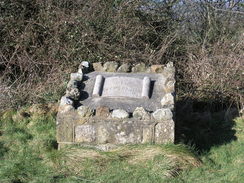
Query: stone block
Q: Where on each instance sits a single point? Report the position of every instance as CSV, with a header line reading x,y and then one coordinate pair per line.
x,y
141,67
167,100
85,134
157,68
162,114
84,111
97,66
120,114
76,76
164,132
141,114
124,68
102,112
110,66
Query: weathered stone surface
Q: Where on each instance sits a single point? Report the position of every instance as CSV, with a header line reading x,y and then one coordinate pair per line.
x,y
141,67
169,86
103,135
148,133
73,93
122,87
110,66
65,108
134,137
141,114
97,66
76,76
66,101
162,114
164,132
167,100
66,105
85,134
72,84
102,112
120,114
124,68
112,132
84,111
169,71
65,125
157,68
124,102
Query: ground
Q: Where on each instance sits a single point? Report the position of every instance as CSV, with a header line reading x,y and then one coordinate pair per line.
x,y
28,153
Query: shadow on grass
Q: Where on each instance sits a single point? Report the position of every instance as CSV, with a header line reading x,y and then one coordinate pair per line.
x,y
204,125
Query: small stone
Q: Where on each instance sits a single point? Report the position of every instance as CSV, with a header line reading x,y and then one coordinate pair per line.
x,y
66,105
97,66
157,68
110,66
85,111
169,71
83,67
164,132
170,65
124,68
65,108
169,86
85,134
102,112
66,101
120,114
73,93
167,100
72,84
141,114
141,67
162,114
76,76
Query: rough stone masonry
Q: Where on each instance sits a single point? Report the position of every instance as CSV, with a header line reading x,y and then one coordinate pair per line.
x,y
110,104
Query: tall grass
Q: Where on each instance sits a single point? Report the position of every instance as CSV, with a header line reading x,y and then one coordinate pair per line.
x,y
43,41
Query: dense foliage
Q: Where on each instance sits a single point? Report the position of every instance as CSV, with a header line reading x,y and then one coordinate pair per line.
x,y
43,41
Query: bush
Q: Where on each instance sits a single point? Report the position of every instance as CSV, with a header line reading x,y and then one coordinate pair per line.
x,y
43,41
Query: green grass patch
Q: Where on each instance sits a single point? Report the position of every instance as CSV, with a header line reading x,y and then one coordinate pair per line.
x,y
28,153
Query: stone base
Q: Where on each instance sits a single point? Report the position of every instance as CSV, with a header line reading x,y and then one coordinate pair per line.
x,y
94,130
112,106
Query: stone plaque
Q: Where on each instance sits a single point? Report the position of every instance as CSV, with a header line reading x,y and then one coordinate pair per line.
x,y
119,87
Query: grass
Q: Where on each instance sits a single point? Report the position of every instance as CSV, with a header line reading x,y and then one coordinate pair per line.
x,y
28,153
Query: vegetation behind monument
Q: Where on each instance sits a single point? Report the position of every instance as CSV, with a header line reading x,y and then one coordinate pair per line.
x,y
43,41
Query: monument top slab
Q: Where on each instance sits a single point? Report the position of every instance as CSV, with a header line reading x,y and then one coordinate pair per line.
x,y
123,90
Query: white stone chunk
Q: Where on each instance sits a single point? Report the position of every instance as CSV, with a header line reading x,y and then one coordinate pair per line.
x,y
66,101
162,114
84,111
168,99
76,76
120,114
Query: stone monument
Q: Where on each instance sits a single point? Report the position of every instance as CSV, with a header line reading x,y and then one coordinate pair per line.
x,y
110,104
